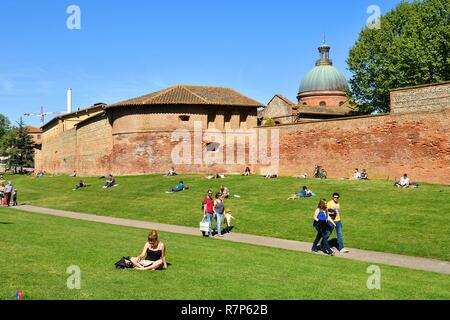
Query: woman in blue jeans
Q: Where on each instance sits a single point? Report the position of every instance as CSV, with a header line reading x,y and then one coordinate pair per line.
x,y
321,220
219,208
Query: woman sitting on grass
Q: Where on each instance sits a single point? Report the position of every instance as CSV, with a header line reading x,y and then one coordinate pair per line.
x,y
110,183
153,256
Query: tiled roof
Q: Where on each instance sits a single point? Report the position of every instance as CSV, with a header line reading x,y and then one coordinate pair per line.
x,y
32,129
192,95
96,107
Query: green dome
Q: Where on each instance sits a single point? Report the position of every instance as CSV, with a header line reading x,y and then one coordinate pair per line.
x,y
323,77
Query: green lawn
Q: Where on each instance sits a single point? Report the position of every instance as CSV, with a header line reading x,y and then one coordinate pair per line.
x,y
38,249
376,216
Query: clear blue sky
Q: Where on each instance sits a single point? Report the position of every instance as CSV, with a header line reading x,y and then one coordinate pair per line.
x,y
129,48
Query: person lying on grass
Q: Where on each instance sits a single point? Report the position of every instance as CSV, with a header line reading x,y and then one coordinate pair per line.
x,y
153,256
180,187
80,185
304,193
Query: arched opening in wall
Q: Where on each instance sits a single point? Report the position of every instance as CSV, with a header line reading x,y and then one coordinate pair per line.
x,y
184,118
212,147
277,122
304,103
322,104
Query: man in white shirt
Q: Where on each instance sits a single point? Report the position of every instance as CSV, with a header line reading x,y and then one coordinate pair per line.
x,y
356,175
8,192
404,182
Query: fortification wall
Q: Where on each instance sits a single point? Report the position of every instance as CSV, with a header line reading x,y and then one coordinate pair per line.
x,y
58,152
94,146
154,152
387,146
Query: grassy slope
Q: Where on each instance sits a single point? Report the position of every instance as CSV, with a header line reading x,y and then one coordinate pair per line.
x,y
39,249
376,216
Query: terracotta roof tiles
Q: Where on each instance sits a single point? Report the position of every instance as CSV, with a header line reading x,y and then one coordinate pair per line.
x,y
192,95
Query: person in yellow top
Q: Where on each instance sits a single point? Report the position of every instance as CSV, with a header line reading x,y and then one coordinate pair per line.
x,y
334,209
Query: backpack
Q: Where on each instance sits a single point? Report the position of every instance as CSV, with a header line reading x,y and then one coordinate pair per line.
x,y
124,263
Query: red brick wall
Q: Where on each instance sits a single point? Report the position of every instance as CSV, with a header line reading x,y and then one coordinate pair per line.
x,y
151,152
58,152
94,147
387,146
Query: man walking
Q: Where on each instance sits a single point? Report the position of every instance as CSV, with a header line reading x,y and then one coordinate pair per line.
x,y
334,212
8,192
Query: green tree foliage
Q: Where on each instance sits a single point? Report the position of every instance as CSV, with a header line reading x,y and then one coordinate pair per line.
x,y
412,47
269,122
5,132
5,125
20,148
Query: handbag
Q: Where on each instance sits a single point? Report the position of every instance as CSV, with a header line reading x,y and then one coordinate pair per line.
x,y
204,226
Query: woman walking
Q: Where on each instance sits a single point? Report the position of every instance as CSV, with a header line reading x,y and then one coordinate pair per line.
x,y
321,218
218,212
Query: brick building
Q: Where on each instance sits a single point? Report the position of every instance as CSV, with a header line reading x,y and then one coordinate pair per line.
x,y
136,136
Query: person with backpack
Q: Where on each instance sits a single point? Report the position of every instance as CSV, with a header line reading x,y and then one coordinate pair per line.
x,y
208,211
320,223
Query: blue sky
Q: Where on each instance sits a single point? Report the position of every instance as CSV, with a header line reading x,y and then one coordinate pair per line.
x,y
129,48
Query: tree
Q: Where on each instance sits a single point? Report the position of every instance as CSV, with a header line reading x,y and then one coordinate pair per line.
x,y
412,47
20,148
5,132
269,122
5,125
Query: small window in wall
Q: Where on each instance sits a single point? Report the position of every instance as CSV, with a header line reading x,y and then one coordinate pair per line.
x,y
212,147
322,103
304,103
38,136
211,120
277,122
184,118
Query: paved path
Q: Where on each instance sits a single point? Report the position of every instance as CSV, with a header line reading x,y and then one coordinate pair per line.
x,y
355,254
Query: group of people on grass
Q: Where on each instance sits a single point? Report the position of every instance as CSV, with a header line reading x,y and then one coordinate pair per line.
x,y
110,182
360,175
215,209
8,193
